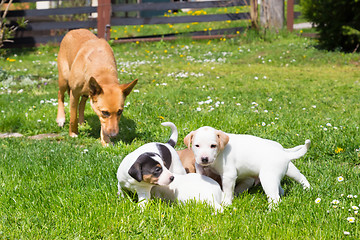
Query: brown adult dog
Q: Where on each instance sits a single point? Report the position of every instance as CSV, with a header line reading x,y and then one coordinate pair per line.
x,y
87,67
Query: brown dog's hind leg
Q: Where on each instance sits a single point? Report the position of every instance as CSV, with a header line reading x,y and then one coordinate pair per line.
x,y
82,109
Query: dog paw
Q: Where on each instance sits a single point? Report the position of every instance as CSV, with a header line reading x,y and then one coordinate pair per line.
x,y
74,135
142,205
106,144
226,202
60,122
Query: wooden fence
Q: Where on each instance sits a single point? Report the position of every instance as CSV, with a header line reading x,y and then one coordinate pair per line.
x,y
47,25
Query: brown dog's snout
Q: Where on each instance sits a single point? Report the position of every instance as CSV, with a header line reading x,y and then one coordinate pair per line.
x,y
113,133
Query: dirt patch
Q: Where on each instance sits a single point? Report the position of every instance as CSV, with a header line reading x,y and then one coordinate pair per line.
x,y
45,135
7,135
35,137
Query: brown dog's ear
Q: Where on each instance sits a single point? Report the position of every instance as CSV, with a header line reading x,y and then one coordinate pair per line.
x,y
95,88
223,139
188,139
135,172
126,88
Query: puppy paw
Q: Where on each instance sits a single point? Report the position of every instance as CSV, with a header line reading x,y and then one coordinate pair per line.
x,y
142,205
218,209
60,122
226,202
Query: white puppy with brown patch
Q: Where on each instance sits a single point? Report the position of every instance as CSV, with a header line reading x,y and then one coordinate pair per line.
x,y
150,165
191,186
244,159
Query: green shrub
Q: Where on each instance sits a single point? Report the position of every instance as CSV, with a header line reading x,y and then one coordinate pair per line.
x,y
337,21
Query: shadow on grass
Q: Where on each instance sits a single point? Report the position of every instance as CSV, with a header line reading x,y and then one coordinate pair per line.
x,y
286,183
127,129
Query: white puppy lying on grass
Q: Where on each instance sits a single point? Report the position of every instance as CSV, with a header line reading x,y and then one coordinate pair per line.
x,y
192,186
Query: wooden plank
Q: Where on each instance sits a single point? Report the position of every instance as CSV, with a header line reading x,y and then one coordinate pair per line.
x,y
290,15
32,41
173,38
24,1
182,19
297,14
175,5
103,20
38,26
52,11
223,31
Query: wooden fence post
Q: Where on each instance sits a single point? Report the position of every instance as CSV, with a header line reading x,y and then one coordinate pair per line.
x,y
254,13
103,20
290,15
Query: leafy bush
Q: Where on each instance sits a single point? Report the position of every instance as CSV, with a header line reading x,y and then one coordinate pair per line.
x,y
7,31
337,21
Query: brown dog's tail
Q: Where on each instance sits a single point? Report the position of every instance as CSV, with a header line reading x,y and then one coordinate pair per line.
x,y
174,133
299,151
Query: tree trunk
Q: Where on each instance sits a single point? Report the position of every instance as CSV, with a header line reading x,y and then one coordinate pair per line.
x,y
272,14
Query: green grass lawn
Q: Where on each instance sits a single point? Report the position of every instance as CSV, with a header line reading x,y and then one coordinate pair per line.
x,y
282,89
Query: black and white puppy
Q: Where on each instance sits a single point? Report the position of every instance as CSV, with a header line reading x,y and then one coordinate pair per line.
x,y
150,165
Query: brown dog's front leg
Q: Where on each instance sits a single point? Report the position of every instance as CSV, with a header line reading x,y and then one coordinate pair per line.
x,y
73,128
60,119
82,109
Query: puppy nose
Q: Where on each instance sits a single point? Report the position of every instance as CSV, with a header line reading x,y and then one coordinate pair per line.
x,y
171,178
204,159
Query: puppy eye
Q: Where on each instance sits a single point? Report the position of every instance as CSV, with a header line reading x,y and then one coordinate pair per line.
x,y
158,169
213,146
197,145
119,112
105,113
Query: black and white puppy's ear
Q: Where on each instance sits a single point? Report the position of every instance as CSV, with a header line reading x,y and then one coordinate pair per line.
x,y
165,154
135,171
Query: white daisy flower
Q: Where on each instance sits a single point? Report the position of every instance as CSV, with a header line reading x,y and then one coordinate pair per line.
x,y
340,179
318,200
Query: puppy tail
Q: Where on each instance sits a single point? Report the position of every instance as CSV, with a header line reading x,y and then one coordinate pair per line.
x,y
174,133
299,151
